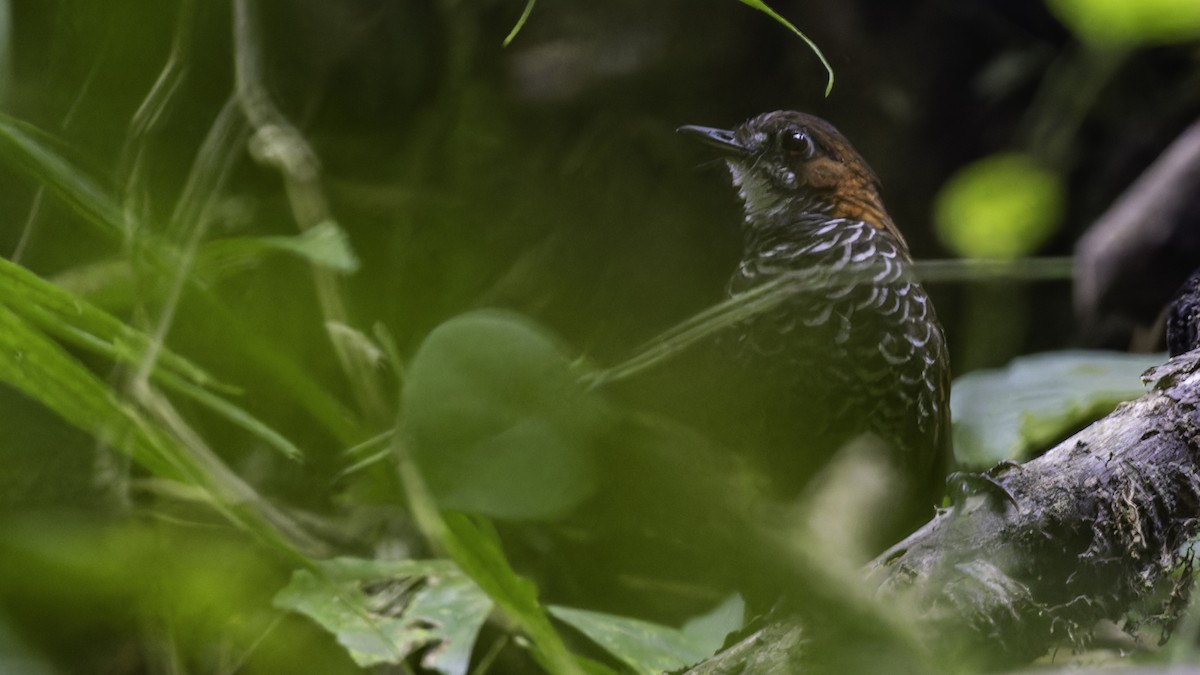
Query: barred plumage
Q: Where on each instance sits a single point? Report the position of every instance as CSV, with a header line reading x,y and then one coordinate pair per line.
x,y
862,351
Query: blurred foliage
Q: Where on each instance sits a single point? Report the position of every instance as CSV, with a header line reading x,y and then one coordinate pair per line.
x,y
1004,206
241,236
1015,412
498,421
1115,23
133,592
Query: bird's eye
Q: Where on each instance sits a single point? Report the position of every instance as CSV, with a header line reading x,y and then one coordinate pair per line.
x,y
796,142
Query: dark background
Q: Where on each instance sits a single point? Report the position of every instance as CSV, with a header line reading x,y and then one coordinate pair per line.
x,y
546,175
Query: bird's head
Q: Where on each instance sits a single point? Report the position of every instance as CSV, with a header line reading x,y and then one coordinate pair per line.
x,y
789,164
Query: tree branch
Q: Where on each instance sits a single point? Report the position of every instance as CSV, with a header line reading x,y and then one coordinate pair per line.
x,y
1094,529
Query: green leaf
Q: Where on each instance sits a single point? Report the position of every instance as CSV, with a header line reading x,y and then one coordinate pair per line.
x,y
39,368
708,631
367,453
520,22
350,340
279,366
1121,22
762,7
76,321
42,370
1036,400
32,151
111,283
108,284
29,149
69,317
1003,206
382,612
498,421
653,648
325,245
474,544
235,414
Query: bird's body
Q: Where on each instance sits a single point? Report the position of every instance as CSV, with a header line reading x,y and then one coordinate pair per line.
x,y
849,346
1183,317
855,347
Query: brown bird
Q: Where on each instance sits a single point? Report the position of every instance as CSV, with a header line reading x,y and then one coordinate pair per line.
x,y
860,349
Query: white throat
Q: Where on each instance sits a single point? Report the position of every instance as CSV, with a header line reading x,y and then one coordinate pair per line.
x,y
756,191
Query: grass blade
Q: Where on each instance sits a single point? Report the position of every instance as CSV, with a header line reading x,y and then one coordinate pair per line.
x,y
762,7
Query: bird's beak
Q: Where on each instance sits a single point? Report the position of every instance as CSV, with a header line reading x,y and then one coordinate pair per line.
x,y
721,139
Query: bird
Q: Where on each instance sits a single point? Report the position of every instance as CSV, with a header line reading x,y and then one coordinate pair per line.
x,y
854,347
1183,317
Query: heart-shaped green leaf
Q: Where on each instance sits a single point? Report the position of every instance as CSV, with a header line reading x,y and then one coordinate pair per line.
x,y
498,421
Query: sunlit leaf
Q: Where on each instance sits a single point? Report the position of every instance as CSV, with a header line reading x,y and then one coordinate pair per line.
x,y
1003,206
498,421
1036,400
1124,22
382,612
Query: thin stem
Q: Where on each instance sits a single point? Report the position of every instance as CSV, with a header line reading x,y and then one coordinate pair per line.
x,y
769,295
277,143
